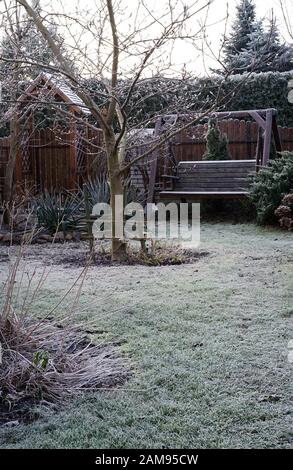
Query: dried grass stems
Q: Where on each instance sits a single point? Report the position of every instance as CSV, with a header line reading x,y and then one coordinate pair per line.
x,y
47,360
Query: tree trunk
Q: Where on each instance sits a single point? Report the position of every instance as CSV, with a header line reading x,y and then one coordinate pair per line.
x,y
118,244
10,168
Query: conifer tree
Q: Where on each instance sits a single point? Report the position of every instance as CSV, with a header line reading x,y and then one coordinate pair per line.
x,y
244,28
217,144
277,56
254,47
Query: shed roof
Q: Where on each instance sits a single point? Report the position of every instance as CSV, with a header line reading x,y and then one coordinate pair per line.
x,y
58,85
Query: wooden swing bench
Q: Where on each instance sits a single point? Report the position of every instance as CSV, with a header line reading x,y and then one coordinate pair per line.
x,y
218,179
228,179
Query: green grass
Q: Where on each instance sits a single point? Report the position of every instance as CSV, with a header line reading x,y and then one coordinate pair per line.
x,y
208,344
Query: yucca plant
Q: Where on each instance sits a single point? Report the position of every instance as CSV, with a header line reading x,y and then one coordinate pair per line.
x,y
58,212
99,190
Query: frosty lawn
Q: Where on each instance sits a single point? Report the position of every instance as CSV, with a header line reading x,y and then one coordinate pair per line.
x,y
208,342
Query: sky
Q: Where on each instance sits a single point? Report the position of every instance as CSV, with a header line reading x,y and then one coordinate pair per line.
x,y
185,56
216,19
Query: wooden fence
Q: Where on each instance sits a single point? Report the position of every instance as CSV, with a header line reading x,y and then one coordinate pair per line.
x,y
242,138
54,161
4,155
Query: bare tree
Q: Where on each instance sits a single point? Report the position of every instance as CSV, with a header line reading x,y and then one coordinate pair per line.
x,y
125,49
286,8
19,40
13,26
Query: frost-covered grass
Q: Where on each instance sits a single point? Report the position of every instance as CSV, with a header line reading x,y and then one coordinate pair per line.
x,y
208,342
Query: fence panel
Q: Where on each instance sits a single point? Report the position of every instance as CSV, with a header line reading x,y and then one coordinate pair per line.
x,y
45,155
242,137
44,160
4,156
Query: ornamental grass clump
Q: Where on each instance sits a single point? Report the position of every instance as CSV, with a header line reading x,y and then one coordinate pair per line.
x,y
47,360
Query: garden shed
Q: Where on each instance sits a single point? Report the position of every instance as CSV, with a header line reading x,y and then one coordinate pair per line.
x,y
56,156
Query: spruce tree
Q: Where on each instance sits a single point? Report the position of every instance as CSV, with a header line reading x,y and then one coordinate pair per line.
x,y
252,47
277,56
244,28
217,144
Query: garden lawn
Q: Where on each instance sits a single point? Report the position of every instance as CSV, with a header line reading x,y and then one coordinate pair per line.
x,y
207,342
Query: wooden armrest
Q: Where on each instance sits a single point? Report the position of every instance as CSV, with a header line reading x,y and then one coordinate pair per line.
x,y
170,177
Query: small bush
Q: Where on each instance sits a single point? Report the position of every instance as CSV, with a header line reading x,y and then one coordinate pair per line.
x,y
284,212
217,144
270,186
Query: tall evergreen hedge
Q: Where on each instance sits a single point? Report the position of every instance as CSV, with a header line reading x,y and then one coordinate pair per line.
x,y
257,91
266,90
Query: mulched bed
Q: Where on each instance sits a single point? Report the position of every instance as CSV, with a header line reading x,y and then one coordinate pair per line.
x,y
161,257
76,254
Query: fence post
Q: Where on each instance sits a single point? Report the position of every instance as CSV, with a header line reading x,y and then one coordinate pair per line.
x,y
154,163
276,134
73,152
268,137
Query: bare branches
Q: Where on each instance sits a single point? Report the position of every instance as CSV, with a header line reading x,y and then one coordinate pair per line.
x,y
115,61
145,44
286,17
65,65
